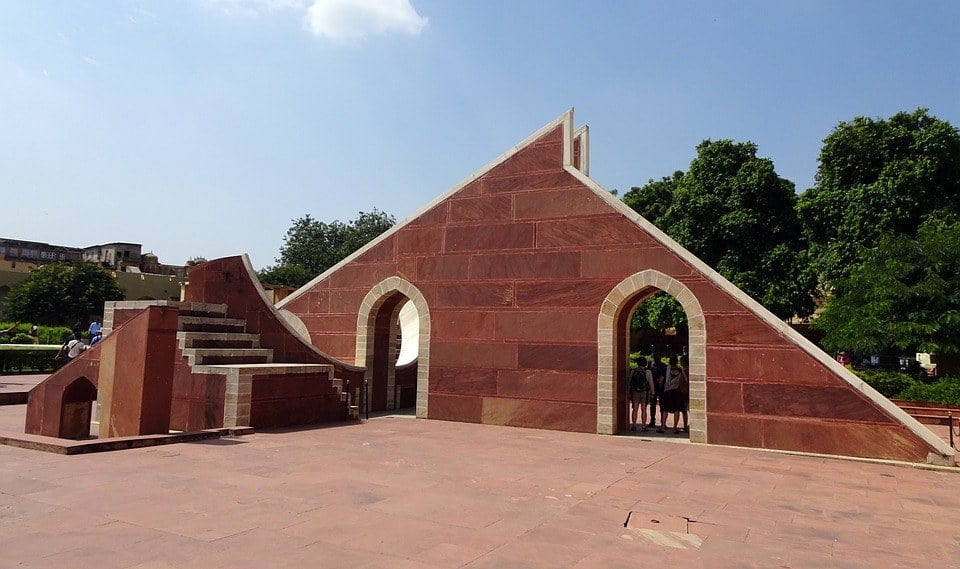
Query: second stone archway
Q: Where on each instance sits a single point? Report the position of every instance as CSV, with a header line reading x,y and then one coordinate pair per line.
x,y
612,343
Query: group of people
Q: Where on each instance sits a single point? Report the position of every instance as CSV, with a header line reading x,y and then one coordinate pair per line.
x,y
666,384
73,344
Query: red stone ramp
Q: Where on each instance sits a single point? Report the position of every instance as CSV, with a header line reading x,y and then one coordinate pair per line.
x,y
525,275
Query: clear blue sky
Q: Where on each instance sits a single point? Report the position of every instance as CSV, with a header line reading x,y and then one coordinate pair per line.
x,y
203,127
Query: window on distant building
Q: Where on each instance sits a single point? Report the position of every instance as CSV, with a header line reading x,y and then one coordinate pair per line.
x,y
126,254
48,255
63,256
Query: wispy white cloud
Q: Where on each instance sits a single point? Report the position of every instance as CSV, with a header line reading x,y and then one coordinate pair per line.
x,y
343,21
138,15
352,20
91,60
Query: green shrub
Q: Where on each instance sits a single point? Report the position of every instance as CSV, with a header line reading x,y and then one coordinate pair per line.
x,y
45,334
26,359
890,383
946,390
53,334
8,337
21,338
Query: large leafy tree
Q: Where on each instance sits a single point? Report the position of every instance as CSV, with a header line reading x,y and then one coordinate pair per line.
x,y
659,312
61,293
878,177
312,246
653,199
734,212
904,296
287,275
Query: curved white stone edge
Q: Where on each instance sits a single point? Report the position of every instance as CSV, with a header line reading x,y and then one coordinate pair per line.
x,y
366,328
409,329
896,413
624,297
296,324
282,320
565,118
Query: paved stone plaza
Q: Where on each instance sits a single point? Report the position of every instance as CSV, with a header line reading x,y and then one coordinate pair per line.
x,y
403,492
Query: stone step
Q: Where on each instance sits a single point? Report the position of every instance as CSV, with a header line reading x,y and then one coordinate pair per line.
x,y
228,356
202,309
217,340
210,324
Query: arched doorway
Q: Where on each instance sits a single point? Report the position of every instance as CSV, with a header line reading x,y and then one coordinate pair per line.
x,y
393,343
658,345
75,409
613,341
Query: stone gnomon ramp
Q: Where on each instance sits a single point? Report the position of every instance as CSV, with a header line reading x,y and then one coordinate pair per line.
x,y
524,277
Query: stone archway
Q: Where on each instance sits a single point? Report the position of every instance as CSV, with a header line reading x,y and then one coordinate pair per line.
x,y
380,307
611,341
76,407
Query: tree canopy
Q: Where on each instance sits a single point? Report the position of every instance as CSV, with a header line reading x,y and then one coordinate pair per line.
x,y
735,213
61,293
659,312
878,177
287,275
904,296
312,246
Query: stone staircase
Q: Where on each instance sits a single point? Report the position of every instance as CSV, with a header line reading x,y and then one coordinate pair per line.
x,y
215,344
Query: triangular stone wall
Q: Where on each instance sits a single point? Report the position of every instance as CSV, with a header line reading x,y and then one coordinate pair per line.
x,y
528,271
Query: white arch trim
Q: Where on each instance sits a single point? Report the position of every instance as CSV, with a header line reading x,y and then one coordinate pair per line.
x,y
366,328
618,301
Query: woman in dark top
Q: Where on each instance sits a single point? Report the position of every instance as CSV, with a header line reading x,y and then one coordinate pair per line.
x,y
674,396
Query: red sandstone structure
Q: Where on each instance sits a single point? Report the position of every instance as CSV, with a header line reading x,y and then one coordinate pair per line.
x,y
524,277
522,280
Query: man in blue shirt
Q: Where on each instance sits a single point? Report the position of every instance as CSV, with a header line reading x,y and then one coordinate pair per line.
x,y
94,328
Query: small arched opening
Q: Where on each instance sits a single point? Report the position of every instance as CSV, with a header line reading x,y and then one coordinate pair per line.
x,y
393,331
75,409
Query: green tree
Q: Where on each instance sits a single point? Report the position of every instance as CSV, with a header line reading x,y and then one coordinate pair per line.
x,y
878,177
60,293
312,246
287,275
735,213
653,199
659,312
904,296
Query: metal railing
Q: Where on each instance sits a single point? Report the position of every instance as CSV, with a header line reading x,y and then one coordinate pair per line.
x,y
364,395
953,443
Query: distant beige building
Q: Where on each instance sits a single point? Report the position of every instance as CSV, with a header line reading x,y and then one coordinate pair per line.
x,y
127,257
141,275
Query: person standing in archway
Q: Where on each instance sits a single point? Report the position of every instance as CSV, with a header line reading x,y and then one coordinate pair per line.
x,y
659,372
672,400
641,388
